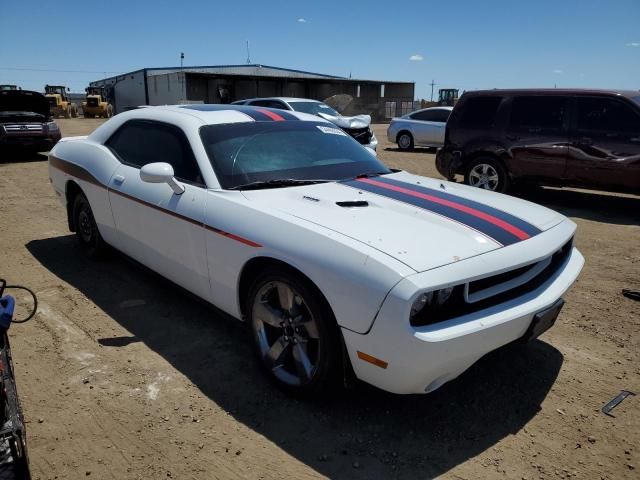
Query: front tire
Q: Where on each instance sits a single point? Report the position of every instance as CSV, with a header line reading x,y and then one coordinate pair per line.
x,y
488,174
405,141
294,333
86,228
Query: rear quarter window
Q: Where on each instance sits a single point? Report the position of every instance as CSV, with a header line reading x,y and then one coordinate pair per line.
x,y
480,112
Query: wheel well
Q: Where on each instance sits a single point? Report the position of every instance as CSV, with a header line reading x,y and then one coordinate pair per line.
x,y
257,265
492,156
401,132
72,189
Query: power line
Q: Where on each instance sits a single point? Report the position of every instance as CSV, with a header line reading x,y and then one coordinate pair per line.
x,y
20,69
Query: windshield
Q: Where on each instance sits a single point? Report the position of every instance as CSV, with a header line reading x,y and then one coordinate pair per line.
x,y
245,153
314,108
636,99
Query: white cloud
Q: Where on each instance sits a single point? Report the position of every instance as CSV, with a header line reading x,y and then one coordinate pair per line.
x,y
302,20
416,58
633,44
558,71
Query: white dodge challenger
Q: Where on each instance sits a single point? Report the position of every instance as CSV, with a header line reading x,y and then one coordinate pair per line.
x,y
338,264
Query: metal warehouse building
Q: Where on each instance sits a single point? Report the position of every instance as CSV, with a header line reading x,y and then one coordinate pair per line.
x,y
227,83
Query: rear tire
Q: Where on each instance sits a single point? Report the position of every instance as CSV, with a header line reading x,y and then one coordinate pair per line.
x,y
487,173
294,333
405,141
86,228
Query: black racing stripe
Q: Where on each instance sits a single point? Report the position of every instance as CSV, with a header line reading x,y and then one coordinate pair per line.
x,y
491,231
523,225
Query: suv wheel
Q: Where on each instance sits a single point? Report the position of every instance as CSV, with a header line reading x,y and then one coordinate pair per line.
x,y
488,174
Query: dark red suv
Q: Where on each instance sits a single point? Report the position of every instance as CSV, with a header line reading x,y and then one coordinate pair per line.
x,y
580,138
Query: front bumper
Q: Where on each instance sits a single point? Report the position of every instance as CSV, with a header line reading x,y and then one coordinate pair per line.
x,y
31,142
373,142
422,359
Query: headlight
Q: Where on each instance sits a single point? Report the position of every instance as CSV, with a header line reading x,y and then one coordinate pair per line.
x,y
428,307
52,127
422,301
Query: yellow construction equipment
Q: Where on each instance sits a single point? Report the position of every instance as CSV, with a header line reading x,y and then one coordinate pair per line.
x,y
96,103
59,103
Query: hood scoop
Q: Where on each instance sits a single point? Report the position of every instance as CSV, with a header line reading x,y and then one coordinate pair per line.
x,y
353,203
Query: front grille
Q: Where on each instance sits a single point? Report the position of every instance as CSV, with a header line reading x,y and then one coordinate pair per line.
x,y
362,135
495,289
23,128
92,102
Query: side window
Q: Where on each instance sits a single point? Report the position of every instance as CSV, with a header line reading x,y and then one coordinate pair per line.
x,y
480,112
538,114
426,116
606,117
139,142
442,115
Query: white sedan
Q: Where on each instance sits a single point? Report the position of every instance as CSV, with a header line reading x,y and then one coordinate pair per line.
x,y
422,128
338,264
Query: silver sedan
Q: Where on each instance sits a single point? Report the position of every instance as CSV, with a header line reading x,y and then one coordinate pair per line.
x,y
422,128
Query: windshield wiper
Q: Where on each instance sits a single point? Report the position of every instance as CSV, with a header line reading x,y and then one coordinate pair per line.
x,y
371,174
276,183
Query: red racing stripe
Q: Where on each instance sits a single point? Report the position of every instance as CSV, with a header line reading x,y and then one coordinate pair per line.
x,y
522,235
271,115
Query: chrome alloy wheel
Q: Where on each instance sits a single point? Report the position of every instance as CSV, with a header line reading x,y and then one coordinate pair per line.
x,y
404,142
286,333
484,176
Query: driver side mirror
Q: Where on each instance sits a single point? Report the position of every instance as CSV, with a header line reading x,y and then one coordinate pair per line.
x,y
161,172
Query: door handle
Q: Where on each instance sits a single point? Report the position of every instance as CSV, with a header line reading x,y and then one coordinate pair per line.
x,y
513,137
118,179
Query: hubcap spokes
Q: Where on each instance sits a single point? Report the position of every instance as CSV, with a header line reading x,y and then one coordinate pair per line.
x,y
287,333
484,176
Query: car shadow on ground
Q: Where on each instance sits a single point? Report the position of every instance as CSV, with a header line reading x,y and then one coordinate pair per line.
x,y
589,205
417,436
432,150
20,156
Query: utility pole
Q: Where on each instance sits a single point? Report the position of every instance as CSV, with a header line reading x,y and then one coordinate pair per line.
x,y
248,54
182,83
433,83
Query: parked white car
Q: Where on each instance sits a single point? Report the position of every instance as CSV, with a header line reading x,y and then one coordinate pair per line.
x,y
334,261
422,128
358,126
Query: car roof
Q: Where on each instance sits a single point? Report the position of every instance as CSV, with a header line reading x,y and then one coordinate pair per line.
x,y
442,107
284,99
197,115
553,91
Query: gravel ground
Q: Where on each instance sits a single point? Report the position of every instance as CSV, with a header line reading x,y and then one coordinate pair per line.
x,y
123,377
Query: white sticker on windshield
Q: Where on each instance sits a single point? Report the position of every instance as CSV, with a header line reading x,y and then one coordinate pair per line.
x,y
331,130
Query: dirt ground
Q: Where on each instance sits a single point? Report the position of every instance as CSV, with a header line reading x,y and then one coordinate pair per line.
x,y
123,377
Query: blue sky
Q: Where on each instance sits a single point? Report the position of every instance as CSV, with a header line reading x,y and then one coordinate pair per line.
x,y
463,44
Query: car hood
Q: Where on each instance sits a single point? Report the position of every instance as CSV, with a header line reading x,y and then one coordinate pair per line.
x,y
411,233
357,121
12,101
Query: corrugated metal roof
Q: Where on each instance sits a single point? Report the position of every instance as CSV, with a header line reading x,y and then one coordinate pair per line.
x,y
253,70
249,69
